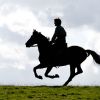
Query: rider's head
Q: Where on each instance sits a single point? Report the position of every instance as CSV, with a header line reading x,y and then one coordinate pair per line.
x,y
57,22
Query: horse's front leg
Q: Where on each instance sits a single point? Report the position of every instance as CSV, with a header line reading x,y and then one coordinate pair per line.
x,y
72,74
34,70
50,76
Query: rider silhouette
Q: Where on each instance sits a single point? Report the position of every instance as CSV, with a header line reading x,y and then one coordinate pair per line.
x,y
59,37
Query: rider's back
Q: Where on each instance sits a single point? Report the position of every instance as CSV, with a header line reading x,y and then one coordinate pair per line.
x,y
61,34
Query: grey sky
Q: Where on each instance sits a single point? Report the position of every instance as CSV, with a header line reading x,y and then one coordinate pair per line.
x,y
75,12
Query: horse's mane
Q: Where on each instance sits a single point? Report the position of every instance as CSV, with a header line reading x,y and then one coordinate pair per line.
x,y
43,37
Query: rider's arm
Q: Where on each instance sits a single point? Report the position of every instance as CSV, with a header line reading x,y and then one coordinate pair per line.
x,y
54,36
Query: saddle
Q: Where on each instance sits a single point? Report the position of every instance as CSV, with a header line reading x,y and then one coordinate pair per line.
x,y
57,52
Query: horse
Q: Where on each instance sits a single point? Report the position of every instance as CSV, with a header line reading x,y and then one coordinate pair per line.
x,y
73,56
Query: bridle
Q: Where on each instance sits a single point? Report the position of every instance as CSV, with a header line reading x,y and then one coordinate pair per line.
x,y
34,45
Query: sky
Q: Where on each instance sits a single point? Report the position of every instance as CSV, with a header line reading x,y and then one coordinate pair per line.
x,y
18,18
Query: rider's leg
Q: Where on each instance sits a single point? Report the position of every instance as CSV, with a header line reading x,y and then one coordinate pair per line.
x,y
50,76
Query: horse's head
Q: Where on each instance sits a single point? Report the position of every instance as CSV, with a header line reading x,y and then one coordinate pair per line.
x,y
36,38
33,39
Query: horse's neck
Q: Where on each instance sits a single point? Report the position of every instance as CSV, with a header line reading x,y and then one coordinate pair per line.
x,y
42,49
43,44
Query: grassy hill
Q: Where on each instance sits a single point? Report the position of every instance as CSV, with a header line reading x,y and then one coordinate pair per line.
x,y
49,93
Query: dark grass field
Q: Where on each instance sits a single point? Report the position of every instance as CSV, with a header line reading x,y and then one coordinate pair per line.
x,y
49,93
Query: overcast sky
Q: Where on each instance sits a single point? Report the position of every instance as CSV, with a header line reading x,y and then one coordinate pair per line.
x,y
80,18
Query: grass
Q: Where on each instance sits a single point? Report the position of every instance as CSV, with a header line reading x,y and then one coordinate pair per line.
x,y
49,93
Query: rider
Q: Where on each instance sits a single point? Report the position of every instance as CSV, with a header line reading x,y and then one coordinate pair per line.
x,y
59,37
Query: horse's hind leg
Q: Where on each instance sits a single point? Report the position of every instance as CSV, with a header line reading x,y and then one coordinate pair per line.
x,y
50,76
79,70
35,68
72,74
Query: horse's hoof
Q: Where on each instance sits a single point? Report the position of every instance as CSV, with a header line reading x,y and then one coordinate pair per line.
x,y
64,84
57,76
40,77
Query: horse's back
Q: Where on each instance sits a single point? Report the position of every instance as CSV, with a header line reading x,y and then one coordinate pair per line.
x,y
76,53
76,48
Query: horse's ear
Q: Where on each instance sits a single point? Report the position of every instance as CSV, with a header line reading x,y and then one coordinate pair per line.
x,y
34,31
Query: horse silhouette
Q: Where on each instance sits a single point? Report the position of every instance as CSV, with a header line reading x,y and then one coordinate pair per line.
x,y
72,56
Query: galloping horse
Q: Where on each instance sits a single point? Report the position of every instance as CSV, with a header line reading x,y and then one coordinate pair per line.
x,y
72,56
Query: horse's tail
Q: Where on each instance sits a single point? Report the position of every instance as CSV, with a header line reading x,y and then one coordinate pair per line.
x,y
95,56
